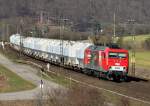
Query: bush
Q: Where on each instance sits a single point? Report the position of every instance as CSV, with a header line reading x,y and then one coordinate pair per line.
x,y
101,40
147,44
120,41
128,45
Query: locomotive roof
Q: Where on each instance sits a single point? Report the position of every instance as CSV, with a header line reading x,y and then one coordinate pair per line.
x,y
94,47
101,47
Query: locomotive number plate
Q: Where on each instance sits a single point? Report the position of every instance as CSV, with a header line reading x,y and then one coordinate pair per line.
x,y
117,68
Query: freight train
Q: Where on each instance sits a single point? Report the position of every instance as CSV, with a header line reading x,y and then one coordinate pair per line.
x,y
110,62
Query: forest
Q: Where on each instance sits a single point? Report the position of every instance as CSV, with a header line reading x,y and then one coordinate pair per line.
x,y
79,10
88,16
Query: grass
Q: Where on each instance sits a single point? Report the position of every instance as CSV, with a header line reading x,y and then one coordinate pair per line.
x,y
142,59
18,103
139,41
138,38
121,101
14,82
59,79
9,54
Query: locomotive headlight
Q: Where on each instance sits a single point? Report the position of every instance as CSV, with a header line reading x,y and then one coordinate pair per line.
x,y
117,64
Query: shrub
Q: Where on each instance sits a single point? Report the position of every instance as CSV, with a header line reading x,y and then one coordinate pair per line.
x,y
147,44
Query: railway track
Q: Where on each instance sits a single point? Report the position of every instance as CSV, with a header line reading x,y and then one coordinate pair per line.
x,y
135,89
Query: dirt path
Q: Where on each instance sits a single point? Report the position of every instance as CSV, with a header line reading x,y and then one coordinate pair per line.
x,y
28,73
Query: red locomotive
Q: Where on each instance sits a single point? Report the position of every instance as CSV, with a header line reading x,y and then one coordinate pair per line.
x,y
106,61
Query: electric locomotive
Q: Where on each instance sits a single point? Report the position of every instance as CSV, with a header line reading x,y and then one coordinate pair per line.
x,y
106,61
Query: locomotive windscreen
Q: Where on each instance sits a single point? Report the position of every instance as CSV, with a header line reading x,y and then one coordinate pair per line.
x,y
117,55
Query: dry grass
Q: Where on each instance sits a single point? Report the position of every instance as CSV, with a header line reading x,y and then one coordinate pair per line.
x,y
75,96
11,82
18,103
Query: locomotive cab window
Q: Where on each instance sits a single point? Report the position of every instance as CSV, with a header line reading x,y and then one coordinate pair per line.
x,y
112,55
122,55
117,55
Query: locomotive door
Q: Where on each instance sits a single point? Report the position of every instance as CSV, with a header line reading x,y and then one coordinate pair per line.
x,y
103,60
87,57
94,59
